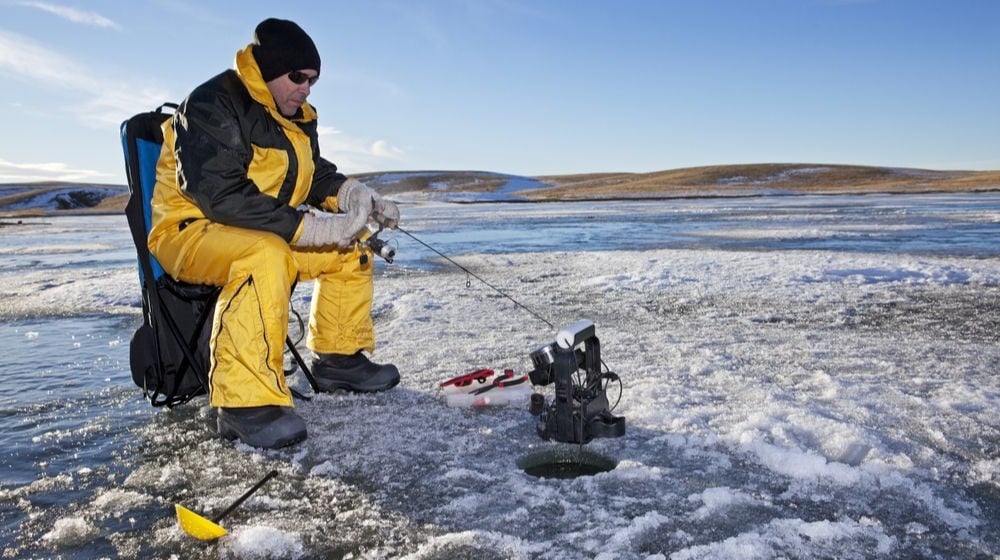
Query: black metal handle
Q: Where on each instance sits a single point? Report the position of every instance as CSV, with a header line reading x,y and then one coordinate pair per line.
x,y
246,495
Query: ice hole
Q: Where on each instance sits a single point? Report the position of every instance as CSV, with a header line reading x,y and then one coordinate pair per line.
x,y
570,461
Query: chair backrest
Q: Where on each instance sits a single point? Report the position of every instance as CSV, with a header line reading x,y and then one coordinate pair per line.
x,y
142,138
168,353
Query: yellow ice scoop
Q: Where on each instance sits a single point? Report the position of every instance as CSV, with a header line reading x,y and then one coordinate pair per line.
x,y
209,530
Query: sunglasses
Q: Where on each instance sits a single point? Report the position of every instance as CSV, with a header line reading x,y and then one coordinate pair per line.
x,y
300,78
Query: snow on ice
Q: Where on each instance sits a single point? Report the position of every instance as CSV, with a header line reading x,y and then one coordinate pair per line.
x,y
780,404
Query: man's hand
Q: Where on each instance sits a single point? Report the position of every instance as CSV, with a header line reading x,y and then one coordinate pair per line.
x,y
325,229
354,193
385,212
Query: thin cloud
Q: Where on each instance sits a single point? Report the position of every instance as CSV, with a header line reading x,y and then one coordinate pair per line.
x,y
72,14
105,101
354,155
22,57
382,149
31,172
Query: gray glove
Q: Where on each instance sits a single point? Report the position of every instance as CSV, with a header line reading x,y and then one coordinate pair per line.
x,y
385,212
324,229
354,194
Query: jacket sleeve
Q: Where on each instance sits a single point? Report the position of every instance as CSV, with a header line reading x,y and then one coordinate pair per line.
x,y
213,159
326,184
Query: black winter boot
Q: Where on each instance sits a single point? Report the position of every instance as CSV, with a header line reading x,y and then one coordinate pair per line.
x,y
269,427
353,372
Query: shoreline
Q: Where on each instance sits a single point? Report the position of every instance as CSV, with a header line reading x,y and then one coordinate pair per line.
x,y
14,218
718,195
57,198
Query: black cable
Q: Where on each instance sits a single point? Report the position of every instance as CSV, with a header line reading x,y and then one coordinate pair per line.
x,y
302,325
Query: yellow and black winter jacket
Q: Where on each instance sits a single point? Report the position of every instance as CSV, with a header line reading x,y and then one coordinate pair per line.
x,y
231,157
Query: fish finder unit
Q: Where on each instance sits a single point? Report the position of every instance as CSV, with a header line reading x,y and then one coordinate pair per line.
x,y
579,410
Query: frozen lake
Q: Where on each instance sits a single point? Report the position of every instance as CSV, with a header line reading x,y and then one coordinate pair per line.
x,y
805,377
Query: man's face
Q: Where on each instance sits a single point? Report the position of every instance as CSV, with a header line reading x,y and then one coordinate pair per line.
x,y
287,94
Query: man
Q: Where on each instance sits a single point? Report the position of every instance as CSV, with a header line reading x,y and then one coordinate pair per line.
x,y
244,201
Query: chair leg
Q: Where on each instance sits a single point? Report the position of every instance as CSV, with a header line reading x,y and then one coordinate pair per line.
x,y
302,364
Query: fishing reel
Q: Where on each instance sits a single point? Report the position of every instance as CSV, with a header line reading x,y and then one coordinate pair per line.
x,y
368,239
579,411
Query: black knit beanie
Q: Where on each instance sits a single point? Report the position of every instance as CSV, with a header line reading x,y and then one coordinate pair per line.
x,y
281,46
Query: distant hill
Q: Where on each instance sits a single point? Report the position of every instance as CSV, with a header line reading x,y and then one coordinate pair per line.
x,y
53,198
759,179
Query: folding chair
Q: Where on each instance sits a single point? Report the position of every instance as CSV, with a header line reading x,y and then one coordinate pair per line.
x,y
169,352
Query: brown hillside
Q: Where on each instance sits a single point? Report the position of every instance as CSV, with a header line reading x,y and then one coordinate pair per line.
x,y
761,178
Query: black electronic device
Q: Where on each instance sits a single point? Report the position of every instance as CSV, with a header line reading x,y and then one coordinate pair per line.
x,y
579,410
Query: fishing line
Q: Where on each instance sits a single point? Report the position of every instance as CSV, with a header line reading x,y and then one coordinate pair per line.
x,y
474,275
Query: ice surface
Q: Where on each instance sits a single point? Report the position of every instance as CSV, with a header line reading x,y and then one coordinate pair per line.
x,y
780,404
777,407
262,542
70,531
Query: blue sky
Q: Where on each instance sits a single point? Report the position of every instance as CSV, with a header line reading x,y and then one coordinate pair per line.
x,y
529,87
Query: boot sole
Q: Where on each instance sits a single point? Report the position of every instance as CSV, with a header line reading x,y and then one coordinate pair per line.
x,y
331,386
231,435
